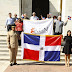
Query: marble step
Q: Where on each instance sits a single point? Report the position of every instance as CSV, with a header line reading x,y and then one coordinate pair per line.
x,y
36,62
8,57
1,43
7,54
3,32
19,57
8,49
3,37
4,41
3,46
2,28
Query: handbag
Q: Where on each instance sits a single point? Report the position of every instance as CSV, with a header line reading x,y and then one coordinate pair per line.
x,y
63,43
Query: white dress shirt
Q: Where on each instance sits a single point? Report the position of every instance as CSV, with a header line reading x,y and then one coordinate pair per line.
x,y
48,18
34,18
10,21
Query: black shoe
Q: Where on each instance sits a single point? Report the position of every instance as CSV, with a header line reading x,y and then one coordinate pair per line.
x,y
11,64
15,64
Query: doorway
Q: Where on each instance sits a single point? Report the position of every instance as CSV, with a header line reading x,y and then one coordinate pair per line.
x,y
41,7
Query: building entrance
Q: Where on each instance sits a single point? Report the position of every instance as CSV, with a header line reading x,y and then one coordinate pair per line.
x,y
41,7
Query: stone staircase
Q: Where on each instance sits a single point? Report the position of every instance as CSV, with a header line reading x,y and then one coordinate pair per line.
x,y
4,52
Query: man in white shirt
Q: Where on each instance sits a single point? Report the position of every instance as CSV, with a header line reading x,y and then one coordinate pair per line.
x,y
48,16
9,22
34,17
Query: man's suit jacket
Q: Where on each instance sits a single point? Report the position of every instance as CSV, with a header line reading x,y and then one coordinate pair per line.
x,y
59,26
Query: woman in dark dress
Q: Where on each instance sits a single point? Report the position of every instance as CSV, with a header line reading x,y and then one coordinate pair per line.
x,y
67,47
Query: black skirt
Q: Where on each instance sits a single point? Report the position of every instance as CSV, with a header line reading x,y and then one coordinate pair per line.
x,y
67,50
68,46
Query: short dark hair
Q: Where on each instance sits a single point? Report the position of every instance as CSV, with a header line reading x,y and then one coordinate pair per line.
x,y
54,17
19,19
9,13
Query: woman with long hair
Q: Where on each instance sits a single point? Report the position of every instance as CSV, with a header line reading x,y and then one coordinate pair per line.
x,y
67,47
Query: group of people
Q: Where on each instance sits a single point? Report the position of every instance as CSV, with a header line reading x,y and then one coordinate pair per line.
x,y
15,21
57,25
15,27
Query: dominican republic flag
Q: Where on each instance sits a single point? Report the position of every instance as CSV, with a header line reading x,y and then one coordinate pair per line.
x,y
69,17
41,48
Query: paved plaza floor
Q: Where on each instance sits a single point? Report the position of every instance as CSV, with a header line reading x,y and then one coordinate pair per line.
x,y
36,67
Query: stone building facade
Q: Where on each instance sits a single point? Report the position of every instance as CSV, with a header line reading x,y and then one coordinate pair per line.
x,y
56,7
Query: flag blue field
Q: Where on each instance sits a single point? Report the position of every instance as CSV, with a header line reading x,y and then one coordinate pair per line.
x,y
41,48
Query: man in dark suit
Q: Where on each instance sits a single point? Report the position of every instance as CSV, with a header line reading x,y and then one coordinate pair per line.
x,y
25,16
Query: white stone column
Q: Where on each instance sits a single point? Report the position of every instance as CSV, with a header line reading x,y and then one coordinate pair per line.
x,y
54,7
27,7
67,11
19,8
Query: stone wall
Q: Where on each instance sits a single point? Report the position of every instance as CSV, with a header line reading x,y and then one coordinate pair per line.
x,y
67,11
27,7
7,6
14,6
54,7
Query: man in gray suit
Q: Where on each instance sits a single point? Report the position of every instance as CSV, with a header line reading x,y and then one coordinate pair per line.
x,y
59,26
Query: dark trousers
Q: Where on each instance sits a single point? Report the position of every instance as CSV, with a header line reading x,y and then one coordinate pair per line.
x,y
8,27
57,33
19,39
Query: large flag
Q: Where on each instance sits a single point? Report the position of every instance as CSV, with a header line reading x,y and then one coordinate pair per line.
x,y
43,27
41,48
